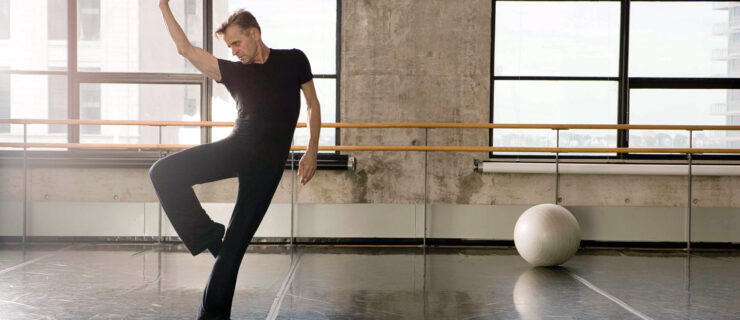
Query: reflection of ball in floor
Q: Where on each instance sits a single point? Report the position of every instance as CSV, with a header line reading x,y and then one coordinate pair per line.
x,y
539,292
547,235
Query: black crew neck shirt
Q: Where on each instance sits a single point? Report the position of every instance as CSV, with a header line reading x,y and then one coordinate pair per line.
x,y
268,93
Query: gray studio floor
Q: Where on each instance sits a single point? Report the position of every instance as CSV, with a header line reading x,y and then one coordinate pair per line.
x,y
108,281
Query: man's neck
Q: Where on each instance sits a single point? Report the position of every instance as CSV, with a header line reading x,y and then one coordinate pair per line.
x,y
263,53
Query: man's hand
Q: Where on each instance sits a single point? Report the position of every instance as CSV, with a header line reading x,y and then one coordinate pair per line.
x,y
307,166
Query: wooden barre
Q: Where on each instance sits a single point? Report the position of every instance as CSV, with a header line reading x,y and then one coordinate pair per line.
x,y
383,148
357,125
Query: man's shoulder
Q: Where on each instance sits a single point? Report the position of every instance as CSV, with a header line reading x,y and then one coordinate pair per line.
x,y
227,62
288,52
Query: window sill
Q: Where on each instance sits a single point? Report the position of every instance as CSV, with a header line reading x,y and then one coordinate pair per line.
x,y
604,168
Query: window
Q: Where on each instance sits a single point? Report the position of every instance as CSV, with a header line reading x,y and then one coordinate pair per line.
x,y
193,27
191,107
735,12
26,96
733,48
57,19
30,48
681,46
88,14
557,62
141,40
4,19
57,103
4,101
90,107
556,38
191,8
679,43
127,101
310,26
686,106
128,67
554,102
544,42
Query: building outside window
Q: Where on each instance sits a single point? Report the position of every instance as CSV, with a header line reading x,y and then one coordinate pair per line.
x,y
57,103
90,107
4,19
57,19
88,13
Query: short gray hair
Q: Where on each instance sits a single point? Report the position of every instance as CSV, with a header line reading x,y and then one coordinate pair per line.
x,y
241,18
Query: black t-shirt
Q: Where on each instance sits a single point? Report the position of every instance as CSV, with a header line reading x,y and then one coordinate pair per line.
x,y
269,92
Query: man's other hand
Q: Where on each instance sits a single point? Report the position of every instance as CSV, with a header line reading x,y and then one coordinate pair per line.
x,y
307,166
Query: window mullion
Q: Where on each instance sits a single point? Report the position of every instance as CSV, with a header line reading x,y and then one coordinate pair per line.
x,y
337,70
206,89
139,78
73,84
624,85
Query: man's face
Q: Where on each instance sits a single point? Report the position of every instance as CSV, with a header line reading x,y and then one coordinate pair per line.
x,y
243,44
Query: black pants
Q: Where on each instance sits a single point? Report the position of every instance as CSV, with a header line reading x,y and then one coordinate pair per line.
x,y
253,152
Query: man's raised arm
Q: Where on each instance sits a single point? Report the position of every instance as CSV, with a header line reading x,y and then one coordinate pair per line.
x,y
203,60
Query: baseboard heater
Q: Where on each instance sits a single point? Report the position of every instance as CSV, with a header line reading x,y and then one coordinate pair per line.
x,y
598,168
325,161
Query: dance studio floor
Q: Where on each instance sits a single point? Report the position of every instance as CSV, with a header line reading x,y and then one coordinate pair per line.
x,y
110,281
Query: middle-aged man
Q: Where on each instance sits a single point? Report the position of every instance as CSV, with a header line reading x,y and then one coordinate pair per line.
x,y
266,86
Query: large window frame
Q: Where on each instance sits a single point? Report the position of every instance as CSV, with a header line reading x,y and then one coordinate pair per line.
x,y
134,158
625,84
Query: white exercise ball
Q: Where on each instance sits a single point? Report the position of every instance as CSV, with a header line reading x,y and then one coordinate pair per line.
x,y
547,235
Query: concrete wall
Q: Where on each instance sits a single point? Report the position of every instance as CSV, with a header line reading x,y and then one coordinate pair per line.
x,y
414,61
426,61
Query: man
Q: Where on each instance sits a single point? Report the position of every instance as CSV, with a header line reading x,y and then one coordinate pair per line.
x,y
266,86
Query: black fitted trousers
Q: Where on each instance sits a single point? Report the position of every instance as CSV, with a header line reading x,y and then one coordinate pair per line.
x,y
253,152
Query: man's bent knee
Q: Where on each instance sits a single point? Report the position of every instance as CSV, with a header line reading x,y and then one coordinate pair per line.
x,y
157,171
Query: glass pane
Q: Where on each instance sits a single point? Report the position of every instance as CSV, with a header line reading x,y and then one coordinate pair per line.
x,y
139,102
88,13
90,107
35,35
557,38
33,97
4,19
130,35
56,12
554,102
4,101
687,39
684,107
306,25
58,103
